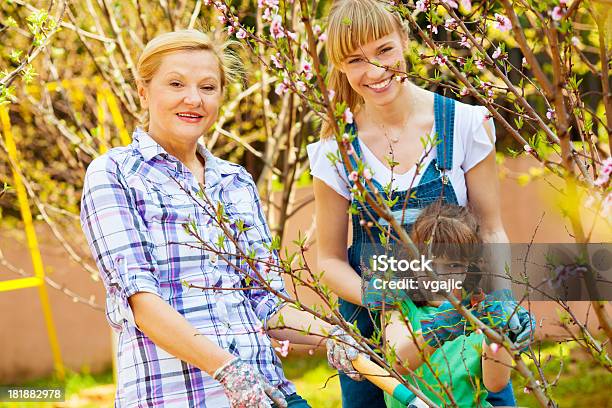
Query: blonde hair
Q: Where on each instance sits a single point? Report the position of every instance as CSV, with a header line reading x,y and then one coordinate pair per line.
x,y
188,40
351,24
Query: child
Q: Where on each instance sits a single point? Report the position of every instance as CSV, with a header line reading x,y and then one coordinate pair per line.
x,y
466,364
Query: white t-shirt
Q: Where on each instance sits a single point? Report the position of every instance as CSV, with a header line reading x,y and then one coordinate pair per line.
x,y
471,144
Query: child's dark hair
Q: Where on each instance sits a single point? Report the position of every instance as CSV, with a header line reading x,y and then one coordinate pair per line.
x,y
451,232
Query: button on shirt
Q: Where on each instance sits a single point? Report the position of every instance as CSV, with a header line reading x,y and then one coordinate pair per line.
x,y
136,202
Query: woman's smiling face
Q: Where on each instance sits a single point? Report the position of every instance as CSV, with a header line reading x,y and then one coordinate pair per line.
x,y
375,84
183,96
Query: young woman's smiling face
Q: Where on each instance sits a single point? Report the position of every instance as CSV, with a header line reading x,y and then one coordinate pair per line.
x,y
184,96
375,84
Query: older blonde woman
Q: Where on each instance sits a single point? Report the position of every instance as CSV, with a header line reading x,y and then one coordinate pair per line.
x,y
180,347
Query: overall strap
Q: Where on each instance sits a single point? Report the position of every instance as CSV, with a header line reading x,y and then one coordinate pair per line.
x,y
444,117
351,129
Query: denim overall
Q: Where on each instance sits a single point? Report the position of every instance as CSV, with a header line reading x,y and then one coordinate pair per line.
x,y
434,185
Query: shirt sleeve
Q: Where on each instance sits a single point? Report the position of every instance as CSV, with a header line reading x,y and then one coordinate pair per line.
x,y
324,168
258,239
477,142
118,239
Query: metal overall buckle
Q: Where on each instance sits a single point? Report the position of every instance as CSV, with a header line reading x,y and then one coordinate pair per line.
x,y
442,174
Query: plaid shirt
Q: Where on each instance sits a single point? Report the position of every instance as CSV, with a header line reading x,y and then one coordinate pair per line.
x,y
132,213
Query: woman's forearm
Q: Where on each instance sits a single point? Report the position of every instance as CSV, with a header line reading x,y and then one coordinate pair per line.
x,y
169,330
299,327
342,279
498,257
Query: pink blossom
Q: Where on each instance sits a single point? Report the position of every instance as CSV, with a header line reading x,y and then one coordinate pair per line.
x,y
267,3
450,24
466,4
221,7
497,53
347,116
451,3
563,2
301,86
241,34
439,60
316,30
524,61
550,114
480,64
307,71
478,331
275,60
367,174
323,37
292,35
346,138
557,13
526,390
230,30
284,348
362,222
222,19
281,89
464,91
502,23
422,5
331,93
434,28
575,41
310,352
276,27
494,347
267,15
464,42
604,174
207,2
354,176
528,148
350,151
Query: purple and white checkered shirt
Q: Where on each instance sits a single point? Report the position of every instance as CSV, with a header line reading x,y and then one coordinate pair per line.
x,y
132,213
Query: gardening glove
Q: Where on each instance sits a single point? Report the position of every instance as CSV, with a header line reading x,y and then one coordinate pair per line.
x,y
246,388
521,325
341,350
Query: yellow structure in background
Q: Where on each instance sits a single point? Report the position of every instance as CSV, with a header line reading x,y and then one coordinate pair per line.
x,y
38,280
105,99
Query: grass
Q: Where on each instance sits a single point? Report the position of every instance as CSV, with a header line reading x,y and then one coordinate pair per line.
x,y
581,383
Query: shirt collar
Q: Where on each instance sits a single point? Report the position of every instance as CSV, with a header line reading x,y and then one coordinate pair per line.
x,y
215,168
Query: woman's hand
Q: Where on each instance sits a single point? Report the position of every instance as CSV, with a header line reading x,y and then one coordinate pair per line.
x,y
341,350
246,388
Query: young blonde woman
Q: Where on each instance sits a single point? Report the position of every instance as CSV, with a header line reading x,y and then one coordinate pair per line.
x,y
180,347
390,118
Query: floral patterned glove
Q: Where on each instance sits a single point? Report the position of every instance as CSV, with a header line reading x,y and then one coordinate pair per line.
x,y
246,388
341,350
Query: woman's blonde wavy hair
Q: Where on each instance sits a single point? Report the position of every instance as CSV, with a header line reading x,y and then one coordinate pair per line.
x,y
188,40
351,24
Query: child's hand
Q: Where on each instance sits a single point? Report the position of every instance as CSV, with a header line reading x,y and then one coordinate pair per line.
x,y
341,350
521,324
